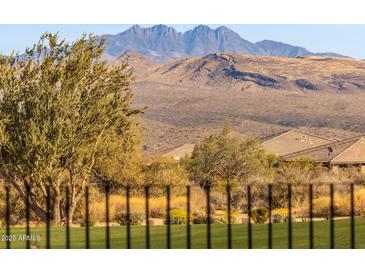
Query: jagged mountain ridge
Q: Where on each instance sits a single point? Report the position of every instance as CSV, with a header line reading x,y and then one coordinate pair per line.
x,y
162,43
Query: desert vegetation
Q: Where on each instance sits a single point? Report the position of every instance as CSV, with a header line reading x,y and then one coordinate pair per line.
x,y
68,121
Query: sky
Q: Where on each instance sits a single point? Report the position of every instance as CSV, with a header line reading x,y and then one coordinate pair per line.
x,y
345,39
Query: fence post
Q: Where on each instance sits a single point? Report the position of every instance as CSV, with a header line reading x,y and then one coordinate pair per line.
x,y
270,217
7,216
290,242
147,193
352,216
128,217
249,217
168,220
48,213
27,213
67,217
107,228
229,228
209,244
311,235
87,231
332,223
188,228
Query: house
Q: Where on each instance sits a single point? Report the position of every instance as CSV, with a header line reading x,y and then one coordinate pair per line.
x,y
344,153
293,141
180,152
186,150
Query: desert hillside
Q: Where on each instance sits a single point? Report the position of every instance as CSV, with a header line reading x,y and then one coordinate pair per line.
x,y
188,98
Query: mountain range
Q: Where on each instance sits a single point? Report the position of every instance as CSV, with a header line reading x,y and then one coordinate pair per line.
x,y
189,98
162,43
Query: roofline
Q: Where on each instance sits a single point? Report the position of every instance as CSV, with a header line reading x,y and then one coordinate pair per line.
x,y
333,159
322,146
298,131
281,134
314,135
348,163
172,149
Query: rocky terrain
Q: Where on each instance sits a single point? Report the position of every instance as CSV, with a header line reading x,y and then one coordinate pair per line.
x,y
188,98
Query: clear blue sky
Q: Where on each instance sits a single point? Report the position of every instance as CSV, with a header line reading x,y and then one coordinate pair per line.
x,y
344,39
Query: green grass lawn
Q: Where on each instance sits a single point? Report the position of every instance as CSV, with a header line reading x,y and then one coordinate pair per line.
x,y
219,236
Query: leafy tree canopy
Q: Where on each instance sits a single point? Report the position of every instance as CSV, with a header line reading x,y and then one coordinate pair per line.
x,y
221,158
60,105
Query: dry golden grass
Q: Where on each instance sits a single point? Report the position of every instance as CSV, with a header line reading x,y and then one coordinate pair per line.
x,y
157,205
342,204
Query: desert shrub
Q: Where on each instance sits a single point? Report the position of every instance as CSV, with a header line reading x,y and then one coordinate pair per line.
x,y
221,217
135,218
199,218
92,221
259,215
158,207
177,217
321,207
286,218
281,211
342,204
97,212
277,218
359,199
279,215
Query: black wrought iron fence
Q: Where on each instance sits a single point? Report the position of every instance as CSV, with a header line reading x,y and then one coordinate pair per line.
x,y
246,209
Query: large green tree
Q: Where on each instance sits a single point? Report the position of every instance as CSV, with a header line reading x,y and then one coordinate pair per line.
x,y
222,158
60,105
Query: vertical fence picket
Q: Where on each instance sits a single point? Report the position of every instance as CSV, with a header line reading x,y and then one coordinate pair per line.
x,y
147,194
290,230
168,220
311,235
48,217
107,227
352,201
332,223
128,217
249,208
270,216
48,202
229,226
87,229
188,225
209,243
7,216
27,214
67,218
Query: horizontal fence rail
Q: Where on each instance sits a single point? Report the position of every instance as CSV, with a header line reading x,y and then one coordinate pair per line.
x,y
199,217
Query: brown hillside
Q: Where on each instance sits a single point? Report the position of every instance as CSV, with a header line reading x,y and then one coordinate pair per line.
x,y
189,98
236,71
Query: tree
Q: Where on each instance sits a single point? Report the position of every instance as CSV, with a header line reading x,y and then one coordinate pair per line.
x,y
165,172
297,171
120,161
221,158
60,104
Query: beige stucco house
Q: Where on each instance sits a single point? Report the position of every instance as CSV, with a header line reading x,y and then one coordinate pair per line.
x,y
344,153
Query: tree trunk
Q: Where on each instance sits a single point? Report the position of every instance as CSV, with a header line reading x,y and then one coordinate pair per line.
x,y
75,199
57,210
33,203
72,209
